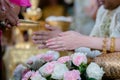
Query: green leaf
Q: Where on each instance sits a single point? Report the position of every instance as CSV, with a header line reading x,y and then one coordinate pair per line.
x,y
82,68
91,79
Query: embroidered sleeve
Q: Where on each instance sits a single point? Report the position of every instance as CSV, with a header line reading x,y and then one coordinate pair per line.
x,y
95,31
116,30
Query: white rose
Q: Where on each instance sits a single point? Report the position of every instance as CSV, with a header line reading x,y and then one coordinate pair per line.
x,y
59,71
37,76
94,71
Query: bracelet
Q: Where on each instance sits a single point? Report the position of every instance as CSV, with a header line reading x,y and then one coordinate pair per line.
x,y
104,46
112,45
2,24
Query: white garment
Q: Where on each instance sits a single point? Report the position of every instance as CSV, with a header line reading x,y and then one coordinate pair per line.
x,y
107,23
82,22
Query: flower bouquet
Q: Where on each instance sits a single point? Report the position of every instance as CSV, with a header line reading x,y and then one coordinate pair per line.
x,y
50,66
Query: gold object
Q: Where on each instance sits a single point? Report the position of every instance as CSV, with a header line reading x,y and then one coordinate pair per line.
x,y
28,21
64,26
56,10
33,13
112,45
104,46
110,64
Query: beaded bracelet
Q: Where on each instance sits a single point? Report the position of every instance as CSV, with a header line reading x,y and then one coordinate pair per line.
x,y
112,45
104,46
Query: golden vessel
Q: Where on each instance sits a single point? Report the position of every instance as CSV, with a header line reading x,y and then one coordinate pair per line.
x,y
33,13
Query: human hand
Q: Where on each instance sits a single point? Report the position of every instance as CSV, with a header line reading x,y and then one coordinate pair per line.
x,y
41,37
8,14
65,41
3,4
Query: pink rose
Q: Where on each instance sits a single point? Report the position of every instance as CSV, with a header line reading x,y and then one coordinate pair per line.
x,y
72,75
28,75
48,68
24,72
64,59
51,56
78,58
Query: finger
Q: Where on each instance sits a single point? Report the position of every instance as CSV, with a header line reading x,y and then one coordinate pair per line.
x,y
39,42
55,46
40,38
40,33
12,17
64,34
60,49
51,43
59,43
54,39
9,4
15,17
50,27
12,20
2,3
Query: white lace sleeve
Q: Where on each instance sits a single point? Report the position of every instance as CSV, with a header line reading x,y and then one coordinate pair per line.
x,y
115,30
95,31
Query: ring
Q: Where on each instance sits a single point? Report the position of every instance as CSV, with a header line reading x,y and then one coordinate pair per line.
x,y
2,24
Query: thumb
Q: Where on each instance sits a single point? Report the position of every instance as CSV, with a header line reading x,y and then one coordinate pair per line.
x,y
51,28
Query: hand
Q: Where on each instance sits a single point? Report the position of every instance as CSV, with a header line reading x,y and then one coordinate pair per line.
x,y
3,4
8,14
12,15
42,36
65,41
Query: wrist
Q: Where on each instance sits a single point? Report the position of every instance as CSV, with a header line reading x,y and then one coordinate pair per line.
x,y
83,41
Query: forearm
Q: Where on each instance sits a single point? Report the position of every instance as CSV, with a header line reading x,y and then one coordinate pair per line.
x,y
97,43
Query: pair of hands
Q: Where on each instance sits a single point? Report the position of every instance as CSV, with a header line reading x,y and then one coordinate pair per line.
x,y
57,40
9,13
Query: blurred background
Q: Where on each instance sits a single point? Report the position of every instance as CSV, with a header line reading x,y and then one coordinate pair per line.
x,y
17,46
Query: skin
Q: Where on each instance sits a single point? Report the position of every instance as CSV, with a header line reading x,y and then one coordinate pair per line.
x,y
65,42
91,10
110,4
71,40
40,37
10,13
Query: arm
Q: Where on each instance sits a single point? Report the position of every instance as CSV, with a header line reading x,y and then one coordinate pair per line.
x,y
72,40
97,43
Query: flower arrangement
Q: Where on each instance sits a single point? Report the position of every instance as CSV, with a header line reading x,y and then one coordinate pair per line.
x,y
50,66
